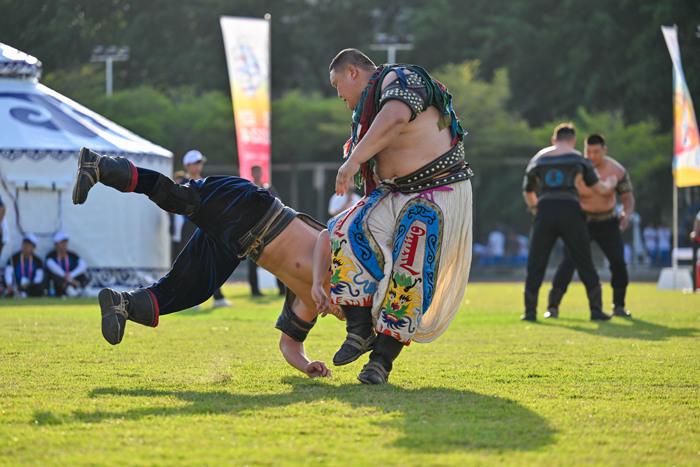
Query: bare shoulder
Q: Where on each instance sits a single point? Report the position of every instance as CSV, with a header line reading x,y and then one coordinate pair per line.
x,y
615,166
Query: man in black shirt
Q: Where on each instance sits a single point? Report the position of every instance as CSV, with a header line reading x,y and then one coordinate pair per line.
x,y
555,171
67,271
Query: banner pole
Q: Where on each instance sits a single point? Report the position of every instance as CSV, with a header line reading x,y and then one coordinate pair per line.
x,y
674,252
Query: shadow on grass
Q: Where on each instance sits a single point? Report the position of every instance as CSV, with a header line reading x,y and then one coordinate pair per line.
x,y
621,328
431,419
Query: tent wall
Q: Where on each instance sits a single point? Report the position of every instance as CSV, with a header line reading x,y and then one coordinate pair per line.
x,y
111,230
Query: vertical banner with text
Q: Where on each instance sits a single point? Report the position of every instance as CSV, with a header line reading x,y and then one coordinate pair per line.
x,y
247,46
686,151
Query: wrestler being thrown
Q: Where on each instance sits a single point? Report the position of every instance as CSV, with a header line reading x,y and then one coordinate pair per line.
x,y
235,219
400,258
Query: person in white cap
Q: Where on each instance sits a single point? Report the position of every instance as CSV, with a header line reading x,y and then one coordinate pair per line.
x,y
66,270
24,273
193,162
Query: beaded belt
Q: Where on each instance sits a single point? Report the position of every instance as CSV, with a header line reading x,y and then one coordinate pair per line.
x,y
445,170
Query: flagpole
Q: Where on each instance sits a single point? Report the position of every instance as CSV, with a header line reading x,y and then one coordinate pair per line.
x,y
674,251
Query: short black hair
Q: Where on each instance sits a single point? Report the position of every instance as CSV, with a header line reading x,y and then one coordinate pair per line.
x,y
595,139
351,57
564,131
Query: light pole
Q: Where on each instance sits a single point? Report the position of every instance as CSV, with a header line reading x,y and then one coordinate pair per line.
x,y
391,44
109,55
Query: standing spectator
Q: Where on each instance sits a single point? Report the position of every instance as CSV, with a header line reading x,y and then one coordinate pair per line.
x,y
257,173
66,270
664,245
24,273
497,246
651,243
193,161
695,239
340,203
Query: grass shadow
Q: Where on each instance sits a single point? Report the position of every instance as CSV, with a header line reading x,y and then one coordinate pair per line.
x,y
431,419
627,329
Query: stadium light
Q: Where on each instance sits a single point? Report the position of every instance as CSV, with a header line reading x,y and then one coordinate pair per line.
x,y
109,55
391,44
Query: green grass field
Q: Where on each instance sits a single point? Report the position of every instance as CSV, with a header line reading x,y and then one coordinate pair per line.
x,y
210,387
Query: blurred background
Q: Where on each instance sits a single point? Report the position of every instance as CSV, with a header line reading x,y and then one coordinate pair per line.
x,y
515,70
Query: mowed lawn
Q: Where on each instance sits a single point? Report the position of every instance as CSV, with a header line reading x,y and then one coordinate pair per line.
x,y
210,387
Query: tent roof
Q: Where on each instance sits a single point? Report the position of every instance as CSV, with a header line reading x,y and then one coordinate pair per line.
x,y
17,64
38,122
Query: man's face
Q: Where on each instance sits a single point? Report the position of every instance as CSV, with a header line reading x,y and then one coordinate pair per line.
x,y
595,152
194,170
27,248
257,174
348,82
62,246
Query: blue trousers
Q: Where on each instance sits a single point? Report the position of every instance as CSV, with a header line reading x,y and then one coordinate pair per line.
x,y
225,209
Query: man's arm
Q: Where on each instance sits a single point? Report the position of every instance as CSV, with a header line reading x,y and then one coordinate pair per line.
x,y
627,200
54,267
293,352
530,198
79,269
530,183
295,322
386,127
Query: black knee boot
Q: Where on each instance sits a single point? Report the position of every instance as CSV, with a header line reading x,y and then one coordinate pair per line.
x,y
530,307
381,360
116,172
360,334
619,303
555,296
137,306
595,302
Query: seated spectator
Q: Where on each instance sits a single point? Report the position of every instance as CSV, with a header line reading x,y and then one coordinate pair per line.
x,y
66,270
24,273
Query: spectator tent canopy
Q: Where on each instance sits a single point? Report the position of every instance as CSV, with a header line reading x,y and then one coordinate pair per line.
x,y
121,237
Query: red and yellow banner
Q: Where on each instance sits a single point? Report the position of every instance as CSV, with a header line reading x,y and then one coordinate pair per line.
x,y
686,151
247,46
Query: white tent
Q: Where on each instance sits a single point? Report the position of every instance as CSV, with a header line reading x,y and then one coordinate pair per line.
x,y
123,237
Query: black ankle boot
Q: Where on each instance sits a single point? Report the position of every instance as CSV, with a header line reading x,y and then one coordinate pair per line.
x,y
555,296
595,302
381,360
530,307
117,307
360,334
116,172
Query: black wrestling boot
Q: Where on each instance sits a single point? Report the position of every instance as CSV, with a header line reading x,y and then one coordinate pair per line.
x,y
117,307
595,302
116,172
619,303
555,296
360,334
530,307
381,360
